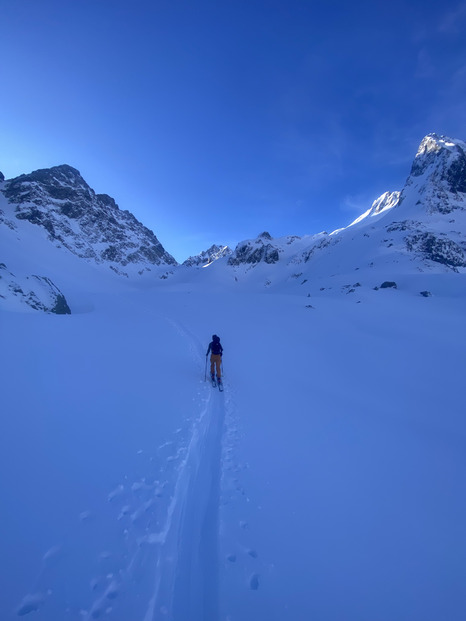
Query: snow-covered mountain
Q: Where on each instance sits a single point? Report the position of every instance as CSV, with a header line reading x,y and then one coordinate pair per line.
x,y
208,256
387,200
420,228
332,463
438,175
57,206
87,224
428,221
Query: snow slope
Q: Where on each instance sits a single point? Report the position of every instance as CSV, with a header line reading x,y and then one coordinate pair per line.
x,y
326,482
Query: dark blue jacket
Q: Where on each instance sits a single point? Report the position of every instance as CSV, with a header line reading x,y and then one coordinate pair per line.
x,y
215,347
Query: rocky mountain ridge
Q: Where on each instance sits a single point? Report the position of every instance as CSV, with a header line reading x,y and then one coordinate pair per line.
x,y
421,227
87,224
208,256
426,219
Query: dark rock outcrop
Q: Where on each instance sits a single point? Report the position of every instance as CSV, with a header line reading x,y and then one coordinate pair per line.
x,y
88,224
252,253
208,256
438,175
36,292
437,248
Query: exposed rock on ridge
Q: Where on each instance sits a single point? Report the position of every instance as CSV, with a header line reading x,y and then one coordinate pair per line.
x,y
208,256
32,292
422,228
255,251
425,222
88,224
438,175
387,200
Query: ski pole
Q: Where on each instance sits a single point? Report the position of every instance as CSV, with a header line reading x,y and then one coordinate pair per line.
x,y
205,374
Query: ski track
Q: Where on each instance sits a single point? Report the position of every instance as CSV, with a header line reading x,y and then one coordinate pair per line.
x,y
184,550
185,586
165,566
187,572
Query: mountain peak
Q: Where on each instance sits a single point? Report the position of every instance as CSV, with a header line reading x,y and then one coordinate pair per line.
x,y
265,235
438,175
208,256
56,175
433,142
89,225
442,159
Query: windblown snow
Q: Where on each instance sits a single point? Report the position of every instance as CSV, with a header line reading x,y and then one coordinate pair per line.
x,y
326,482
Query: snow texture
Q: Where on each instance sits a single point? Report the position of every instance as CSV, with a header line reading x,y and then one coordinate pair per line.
x,y
327,480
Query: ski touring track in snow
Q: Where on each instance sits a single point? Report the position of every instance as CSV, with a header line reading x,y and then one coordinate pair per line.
x,y
165,560
185,561
186,583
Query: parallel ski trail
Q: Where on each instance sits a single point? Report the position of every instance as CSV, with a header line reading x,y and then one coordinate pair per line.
x,y
187,565
196,589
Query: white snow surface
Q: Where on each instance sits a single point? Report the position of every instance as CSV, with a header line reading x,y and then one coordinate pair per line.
x,y
326,482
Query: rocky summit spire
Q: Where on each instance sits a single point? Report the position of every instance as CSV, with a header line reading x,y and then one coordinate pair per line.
x,y
438,174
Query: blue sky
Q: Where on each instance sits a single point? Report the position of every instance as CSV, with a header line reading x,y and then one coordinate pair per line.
x,y
215,120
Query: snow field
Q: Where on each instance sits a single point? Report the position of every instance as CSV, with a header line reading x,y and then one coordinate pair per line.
x,y
100,468
326,482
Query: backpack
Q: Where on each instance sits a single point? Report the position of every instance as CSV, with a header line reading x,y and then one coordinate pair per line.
x,y
215,346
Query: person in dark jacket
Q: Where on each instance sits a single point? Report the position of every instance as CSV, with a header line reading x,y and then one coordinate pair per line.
x,y
216,350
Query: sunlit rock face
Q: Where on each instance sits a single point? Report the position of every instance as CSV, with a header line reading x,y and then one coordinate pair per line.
x,y
208,256
438,175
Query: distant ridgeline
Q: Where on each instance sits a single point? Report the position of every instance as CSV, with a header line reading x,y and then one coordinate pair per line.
x,y
421,227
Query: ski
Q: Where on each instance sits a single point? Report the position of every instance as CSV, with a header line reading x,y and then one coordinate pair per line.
x,y
214,384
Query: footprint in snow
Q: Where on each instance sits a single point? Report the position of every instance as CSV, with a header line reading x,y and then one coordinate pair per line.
x,y
101,606
254,582
141,486
124,512
31,603
52,555
112,591
165,444
95,584
97,612
118,491
143,510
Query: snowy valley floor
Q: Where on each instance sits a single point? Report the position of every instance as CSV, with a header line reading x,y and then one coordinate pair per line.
x,y
327,482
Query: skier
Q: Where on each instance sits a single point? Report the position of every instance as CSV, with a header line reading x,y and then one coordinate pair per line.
x,y
215,359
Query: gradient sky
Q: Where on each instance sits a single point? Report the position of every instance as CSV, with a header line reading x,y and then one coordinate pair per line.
x,y
213,121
